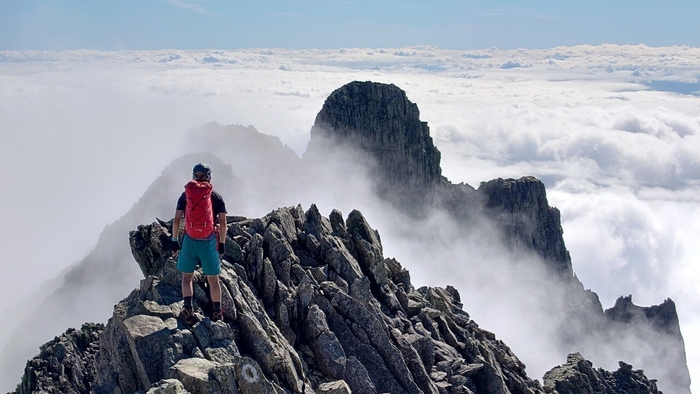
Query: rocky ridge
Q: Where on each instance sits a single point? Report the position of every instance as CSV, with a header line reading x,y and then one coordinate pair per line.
x,y
312,306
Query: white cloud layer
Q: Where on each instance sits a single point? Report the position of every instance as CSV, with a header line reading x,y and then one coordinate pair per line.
x,y
619,156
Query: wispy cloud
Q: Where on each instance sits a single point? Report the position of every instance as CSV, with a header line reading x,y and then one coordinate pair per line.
x,y
520,12
379,4
284,14
190,5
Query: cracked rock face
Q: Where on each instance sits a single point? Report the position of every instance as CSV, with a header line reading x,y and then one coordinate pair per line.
x,y
66,364
311,306
380,121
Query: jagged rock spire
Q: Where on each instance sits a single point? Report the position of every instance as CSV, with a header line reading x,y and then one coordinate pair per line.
x,y
381,123
663,321
520,207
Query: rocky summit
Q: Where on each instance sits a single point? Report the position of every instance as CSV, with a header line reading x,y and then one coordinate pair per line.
x,y
311,306
384,126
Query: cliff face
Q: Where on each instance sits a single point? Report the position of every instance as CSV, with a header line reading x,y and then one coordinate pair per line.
x,y
381,122
521,209
311,306
384,130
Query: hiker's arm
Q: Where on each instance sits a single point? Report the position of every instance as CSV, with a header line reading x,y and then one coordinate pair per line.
x,y
176,223
222,227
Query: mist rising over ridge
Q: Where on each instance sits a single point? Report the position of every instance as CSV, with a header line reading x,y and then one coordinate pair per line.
x,y
384,128
440,193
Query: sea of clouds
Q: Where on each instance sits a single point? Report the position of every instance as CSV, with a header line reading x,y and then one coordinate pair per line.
x,y
613,131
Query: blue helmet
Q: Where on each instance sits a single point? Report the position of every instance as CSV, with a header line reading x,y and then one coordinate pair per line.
x,y
201,172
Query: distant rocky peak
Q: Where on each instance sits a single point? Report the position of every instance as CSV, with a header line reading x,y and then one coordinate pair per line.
x,y
663,317
380,122
521,209
659,327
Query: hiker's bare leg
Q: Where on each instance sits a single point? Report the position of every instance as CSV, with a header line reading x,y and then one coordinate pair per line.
x,y
187,284
214,288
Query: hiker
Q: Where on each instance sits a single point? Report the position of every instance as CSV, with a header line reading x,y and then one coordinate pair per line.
x,y
203,241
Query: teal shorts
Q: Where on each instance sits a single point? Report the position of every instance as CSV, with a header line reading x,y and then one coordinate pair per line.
x,y
194,251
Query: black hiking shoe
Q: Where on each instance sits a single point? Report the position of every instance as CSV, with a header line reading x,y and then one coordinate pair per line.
x,y
187,315
217,315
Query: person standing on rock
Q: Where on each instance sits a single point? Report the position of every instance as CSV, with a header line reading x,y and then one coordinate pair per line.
x,y
204,238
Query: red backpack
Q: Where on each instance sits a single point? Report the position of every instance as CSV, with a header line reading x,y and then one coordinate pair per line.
x,y
199,213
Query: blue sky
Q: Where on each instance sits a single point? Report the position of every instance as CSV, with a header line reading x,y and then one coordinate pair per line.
x,y
299,24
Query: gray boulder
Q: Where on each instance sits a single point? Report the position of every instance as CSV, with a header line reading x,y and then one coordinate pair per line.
x,y
168,386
